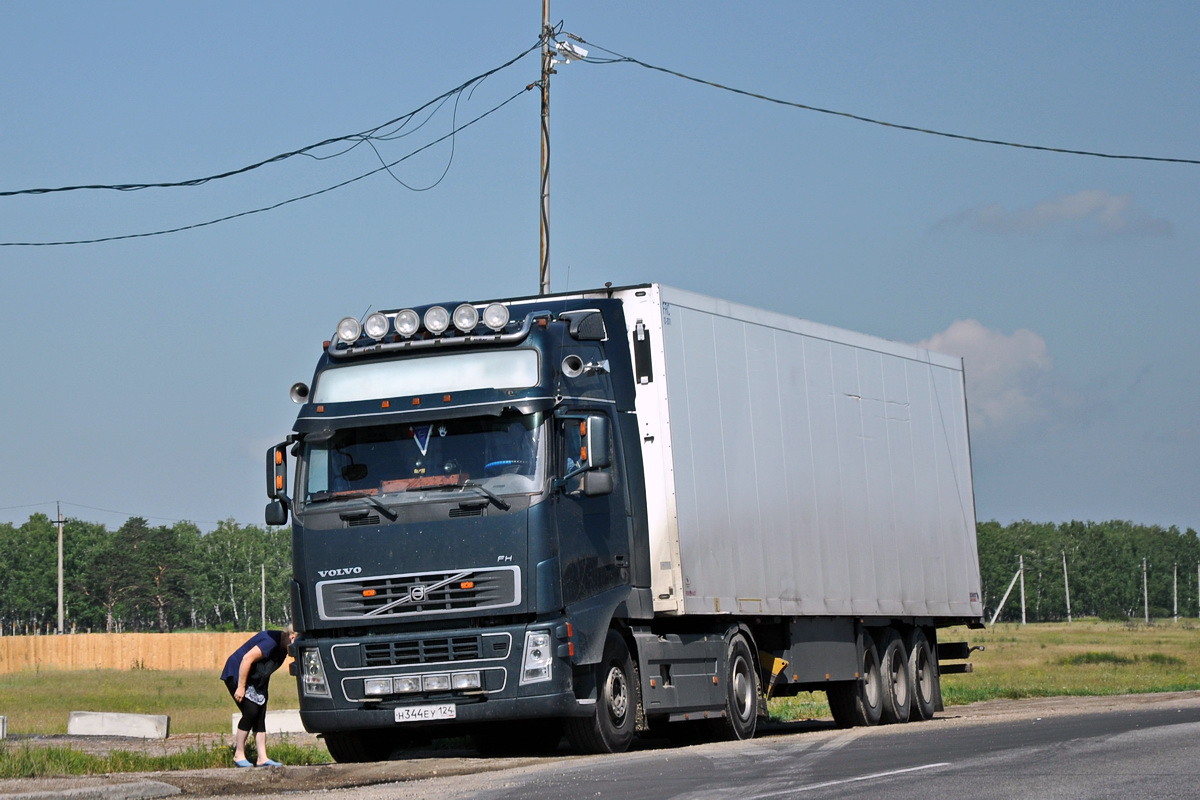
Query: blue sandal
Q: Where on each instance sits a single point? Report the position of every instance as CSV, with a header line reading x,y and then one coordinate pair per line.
x,y
270,762
241,762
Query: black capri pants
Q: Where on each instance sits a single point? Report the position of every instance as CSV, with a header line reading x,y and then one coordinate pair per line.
x,y
254,716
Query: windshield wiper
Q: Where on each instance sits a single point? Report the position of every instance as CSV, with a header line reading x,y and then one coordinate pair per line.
x,y
488,493
326,496
495,498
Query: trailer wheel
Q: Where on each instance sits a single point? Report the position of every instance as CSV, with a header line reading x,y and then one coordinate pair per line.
x,y
859,702
741,693
923,669
897,680
353,747
611,726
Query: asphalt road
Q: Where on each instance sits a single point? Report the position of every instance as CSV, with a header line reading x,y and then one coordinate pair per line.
x,y
1117,754
1140,745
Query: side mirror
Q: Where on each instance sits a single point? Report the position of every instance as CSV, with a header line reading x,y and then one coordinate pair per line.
x,y
597,454
277,472
276,513
594,455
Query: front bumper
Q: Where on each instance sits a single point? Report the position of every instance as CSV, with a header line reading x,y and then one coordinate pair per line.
x,y
352,664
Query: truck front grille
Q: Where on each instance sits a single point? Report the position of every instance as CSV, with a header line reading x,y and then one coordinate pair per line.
x,y
423,651
419,593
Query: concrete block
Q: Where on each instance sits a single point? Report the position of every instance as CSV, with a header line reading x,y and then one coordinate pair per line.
x,y
284,721
109,723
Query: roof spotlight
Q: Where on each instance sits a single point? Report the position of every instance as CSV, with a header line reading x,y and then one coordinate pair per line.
x,y
348,330
466,317
376,326
437,319
407,322
495,316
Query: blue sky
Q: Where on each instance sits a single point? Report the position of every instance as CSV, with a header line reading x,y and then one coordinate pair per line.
x,y
147,376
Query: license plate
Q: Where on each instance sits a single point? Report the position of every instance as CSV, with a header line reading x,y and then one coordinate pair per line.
x,y
425,713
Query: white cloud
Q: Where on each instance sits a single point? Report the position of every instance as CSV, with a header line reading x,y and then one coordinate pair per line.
x,y
1008,376
1093,209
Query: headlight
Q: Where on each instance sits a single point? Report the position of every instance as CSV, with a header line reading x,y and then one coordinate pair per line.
x,y
377,687
536,666
407,322
466,317
376,326
436,683
437,319
348,330
495,316
465,681
312,673
406,684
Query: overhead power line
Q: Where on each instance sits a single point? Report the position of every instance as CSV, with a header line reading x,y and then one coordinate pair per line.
x,y
385,167
617,58
376,133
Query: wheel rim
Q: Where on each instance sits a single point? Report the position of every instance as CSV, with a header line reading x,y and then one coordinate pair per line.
x,y
899,677
924,676
871,687
743,690
617,695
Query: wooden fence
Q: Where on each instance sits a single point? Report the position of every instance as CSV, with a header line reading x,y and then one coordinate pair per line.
x,y
82,651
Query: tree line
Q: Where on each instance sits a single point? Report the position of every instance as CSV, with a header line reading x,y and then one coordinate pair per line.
x,y
1104,569
164,578
142,578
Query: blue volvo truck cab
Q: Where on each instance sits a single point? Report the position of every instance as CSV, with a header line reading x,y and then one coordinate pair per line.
x,y
466,522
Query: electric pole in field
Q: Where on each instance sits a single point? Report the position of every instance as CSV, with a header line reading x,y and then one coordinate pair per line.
x,y
1066,586
58,506
547,71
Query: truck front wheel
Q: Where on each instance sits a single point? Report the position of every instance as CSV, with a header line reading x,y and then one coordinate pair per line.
x,y
612,724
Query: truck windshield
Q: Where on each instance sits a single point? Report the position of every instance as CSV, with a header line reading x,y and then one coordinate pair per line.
x,y
502,454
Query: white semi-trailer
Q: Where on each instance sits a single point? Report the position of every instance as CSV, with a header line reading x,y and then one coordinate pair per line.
x,y
614,510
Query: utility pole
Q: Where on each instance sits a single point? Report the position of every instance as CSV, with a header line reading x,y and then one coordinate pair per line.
x,y
547,71
1021,572
1066,586
264,596
58,506
1175,593
1145,593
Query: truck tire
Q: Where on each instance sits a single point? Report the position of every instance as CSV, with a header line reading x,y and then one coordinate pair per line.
x,y
897,680
612,724
923,668
353,747
859,702
741,693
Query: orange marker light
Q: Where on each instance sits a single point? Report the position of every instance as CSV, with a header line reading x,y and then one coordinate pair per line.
x,y
386,404
279,483
467,585
416,401
368,593
278,457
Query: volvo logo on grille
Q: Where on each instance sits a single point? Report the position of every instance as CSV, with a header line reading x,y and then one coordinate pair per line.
x,y
417,593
